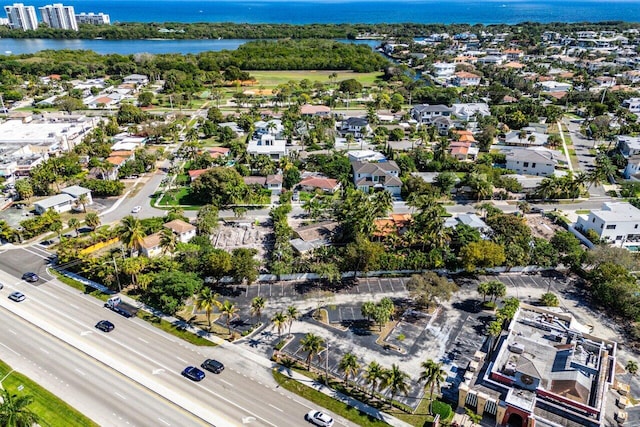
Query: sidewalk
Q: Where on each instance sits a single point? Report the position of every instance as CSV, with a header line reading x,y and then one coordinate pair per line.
x,y
263,361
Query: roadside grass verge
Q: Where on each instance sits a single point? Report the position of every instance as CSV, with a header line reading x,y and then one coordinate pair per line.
x,y
80,286
325,401
175,330
53,411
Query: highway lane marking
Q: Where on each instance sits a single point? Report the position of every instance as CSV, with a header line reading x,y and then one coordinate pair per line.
x,y
80,372
163,421
143,340
44,351
13,332
226,382
119,395
74,306
181,359
10,349
276,408
301,403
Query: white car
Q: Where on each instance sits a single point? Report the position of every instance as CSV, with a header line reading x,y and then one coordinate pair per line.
x,y
136,209
319,418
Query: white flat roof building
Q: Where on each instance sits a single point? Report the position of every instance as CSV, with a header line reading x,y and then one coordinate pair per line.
x,y
617,223
57,135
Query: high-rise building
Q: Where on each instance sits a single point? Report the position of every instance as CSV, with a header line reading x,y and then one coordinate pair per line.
x,y
59,16
21,17
93,19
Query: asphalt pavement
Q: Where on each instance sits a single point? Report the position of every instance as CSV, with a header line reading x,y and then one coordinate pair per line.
x,y
245,393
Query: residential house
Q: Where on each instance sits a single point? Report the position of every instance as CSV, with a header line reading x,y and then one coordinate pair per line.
x,y
443,124
365,156
195,173
628,145
474,221
532,161
150,246
315,110
464,78
217,152
513,54
274,183
470,111
182,229
633,167
632,104
525,137
377,176
464,150
443,69
269,145
491,60
63,202
137,79
313,183
426,114
617,222
395,224
554,86
313,236
119,158
356,126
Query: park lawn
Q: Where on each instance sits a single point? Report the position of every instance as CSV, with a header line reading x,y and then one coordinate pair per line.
x,y
53,411
271,79
176,197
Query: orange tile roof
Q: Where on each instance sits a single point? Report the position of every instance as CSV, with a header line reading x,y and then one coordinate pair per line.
x,y
318,182
116,160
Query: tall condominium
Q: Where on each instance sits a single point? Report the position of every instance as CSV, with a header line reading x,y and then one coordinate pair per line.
x,y
59,16
21,17
93,18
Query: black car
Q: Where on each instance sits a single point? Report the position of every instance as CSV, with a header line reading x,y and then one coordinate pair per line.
x,y
105,326
30,277
1,286
212,366
193,373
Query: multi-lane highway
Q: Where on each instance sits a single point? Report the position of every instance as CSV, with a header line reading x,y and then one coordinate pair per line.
x,y
244,393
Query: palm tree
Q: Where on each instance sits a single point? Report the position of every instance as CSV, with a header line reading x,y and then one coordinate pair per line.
x,y
279,320
228,310
312,344
83,199
349,365
373,374
396,380
433,375
133,267
207,300
14,411
168,240
257,304
632,367
56,227
292,315
75,224
131,233
92,220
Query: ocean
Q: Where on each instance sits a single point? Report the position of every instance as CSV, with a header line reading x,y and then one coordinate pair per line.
x,y
359,11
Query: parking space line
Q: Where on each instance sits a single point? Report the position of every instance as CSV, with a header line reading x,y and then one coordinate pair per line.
x,y
380,285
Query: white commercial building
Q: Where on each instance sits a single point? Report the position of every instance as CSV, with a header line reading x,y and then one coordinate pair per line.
x,y
59,16
617,223
21,17
93,18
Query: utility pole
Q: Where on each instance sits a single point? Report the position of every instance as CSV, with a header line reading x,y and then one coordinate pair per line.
x,y
115,266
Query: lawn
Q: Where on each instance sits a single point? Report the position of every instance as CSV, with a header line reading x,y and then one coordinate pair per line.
x,y
271,79
53,411
175,330
176,197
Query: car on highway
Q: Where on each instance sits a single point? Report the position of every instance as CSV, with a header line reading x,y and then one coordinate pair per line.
x,y
319,418
30,277
212,365
17,296
105,326
193,373
136,209
1,286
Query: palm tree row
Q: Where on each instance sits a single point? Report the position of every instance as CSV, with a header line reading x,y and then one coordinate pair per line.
x,y
280,319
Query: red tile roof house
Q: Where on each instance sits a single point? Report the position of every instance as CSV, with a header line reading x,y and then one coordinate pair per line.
x,y
464,78
311,183
315,110
216,152
193,174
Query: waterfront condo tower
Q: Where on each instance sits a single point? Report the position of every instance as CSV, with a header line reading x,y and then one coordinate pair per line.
x,y
21,17
59,16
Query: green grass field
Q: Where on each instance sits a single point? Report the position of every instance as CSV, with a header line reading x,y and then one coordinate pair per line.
x,y
53,411
271,79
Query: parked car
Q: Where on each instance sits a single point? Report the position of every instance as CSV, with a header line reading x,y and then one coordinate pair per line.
x,y
17,296
105,326
193,373
212,366
30,277
319,418
136,209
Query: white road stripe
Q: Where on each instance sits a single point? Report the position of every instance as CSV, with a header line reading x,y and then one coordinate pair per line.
x,y
13,332
143,340
276,408
120,396
164,422
80,372
10,349
44,351
226,382
181,359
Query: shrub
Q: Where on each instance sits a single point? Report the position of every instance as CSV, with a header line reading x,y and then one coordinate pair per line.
x,y
441,408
